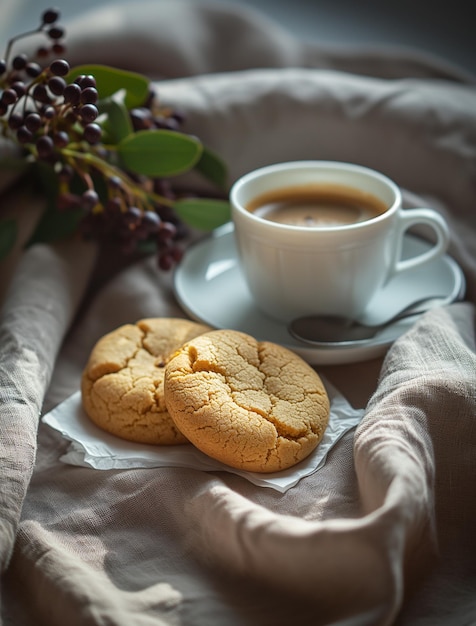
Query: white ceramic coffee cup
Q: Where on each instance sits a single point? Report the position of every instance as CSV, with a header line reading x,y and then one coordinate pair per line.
x,y
293,271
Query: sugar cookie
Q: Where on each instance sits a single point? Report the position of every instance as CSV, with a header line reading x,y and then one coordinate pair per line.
x,y
122,385
252,405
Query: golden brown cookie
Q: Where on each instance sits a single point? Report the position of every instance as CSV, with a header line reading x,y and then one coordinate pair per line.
x,y
123,383
253,405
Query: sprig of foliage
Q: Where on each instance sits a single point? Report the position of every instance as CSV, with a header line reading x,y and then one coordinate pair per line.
x,y
105,151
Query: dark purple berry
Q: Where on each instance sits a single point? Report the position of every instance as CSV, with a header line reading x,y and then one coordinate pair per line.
x,y
48,112
89,95
92,133
89,199
19,87
19,61
151,221
149,101
55,32
9,96
114,181
45,146
133,216
24,135
32,69
15,120
40,94
50,16
61,139
57,85
42,52
85,80
88,113
141,118
72,94
166,232
58,48
3,67
33,122
59,67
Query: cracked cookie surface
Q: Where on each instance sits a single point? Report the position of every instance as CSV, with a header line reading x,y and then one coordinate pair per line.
x,y
122,385
252,405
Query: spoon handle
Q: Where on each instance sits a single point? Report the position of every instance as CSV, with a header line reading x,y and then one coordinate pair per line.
x,y
329,330
416,307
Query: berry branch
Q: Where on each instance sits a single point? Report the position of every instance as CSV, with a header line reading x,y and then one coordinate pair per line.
x,y
111,149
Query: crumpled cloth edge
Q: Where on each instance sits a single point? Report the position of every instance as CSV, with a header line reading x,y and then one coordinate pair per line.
x,y
39,307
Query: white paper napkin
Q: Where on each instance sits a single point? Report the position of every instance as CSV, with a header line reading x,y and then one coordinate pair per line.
x,y
92,447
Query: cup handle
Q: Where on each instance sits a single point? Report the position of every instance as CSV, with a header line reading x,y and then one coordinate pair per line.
x,y
412,217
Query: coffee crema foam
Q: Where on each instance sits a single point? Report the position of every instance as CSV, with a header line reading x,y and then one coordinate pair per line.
x,y
317,205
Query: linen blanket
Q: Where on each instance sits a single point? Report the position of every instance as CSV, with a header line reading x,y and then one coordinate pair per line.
x,y
384,533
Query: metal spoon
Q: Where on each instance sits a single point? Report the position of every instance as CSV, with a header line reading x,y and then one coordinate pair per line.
x,y
327,330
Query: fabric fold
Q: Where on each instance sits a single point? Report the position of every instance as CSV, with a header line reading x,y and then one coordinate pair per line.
x,y
216,37
39,307
394,460
87,596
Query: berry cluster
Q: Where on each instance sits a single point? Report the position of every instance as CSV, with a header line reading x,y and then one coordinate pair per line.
x,y
54,120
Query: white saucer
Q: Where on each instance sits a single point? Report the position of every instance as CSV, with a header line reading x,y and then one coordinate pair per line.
x,y
210,288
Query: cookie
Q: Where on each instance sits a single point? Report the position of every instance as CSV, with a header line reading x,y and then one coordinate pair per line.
x,y
252,405
122,386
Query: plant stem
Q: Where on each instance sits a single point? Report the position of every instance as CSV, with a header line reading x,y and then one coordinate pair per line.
x,y
110,170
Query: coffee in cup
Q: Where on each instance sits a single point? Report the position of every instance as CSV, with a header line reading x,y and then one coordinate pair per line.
x,y
317,205
323,237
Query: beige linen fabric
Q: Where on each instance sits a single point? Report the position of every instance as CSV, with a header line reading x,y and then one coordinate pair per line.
x,y
384,533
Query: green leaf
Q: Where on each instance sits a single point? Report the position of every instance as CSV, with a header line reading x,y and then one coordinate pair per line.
x,y
213,168
203,213
118,124
8,235
160,153
110,80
